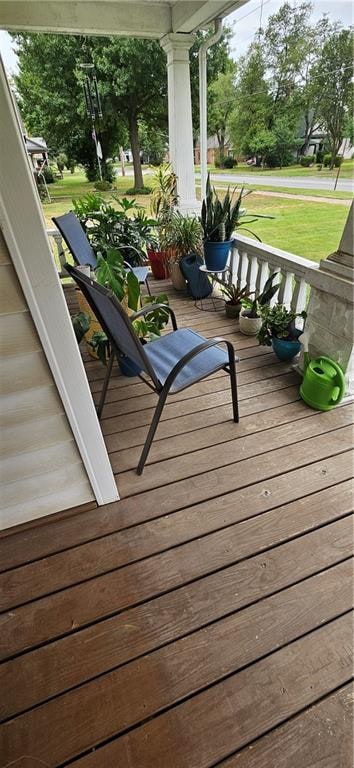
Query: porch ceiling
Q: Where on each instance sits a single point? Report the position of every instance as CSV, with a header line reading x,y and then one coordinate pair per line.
x,y
136,18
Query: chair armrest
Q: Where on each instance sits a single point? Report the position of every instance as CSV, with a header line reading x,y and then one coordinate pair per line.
x,y
196,351
149,308
128,266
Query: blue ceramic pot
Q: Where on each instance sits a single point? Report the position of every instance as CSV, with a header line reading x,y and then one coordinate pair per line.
x,y
216,254
286,350
128,367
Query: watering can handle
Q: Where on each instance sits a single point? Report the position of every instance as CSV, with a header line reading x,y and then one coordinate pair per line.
x,y
339,389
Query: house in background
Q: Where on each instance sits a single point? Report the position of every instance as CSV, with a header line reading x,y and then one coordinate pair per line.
x,y
213,149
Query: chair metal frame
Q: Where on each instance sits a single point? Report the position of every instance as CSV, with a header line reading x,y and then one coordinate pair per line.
x,y
162,390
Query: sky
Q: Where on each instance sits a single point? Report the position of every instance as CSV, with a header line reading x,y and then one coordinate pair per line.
x,y
245,23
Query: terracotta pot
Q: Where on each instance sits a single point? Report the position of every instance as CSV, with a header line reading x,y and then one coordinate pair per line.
x,y
176,276
232,310
249,325
158,263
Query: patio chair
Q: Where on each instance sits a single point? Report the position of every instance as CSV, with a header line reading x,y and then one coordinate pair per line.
x,y
172,362
81,249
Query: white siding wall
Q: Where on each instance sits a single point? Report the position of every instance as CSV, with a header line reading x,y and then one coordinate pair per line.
x,y
41,471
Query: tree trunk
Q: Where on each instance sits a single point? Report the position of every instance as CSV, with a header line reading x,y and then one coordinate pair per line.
x,y
134,143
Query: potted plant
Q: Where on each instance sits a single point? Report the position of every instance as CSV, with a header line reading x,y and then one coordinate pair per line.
x,y
219,219
162,203
279,331
184,238
250,315
234,297
110,227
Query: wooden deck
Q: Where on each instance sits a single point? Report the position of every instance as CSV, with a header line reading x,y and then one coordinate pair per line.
x,y
205,619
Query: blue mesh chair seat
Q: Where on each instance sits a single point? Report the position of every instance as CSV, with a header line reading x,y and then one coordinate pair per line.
x,y
81,249
171,362
167,351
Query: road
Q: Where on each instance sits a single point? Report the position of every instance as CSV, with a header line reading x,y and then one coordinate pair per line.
x,y
293,182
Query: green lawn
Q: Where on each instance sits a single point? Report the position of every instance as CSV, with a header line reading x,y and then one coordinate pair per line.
x,y
308,229
346,171
305,228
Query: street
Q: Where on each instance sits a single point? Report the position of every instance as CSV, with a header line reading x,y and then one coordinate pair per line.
x,y
296,182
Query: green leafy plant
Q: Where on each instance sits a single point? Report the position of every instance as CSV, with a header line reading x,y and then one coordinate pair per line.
x,y
110,227
219,219
111,273
253,308
183,235
278,322
81,324
235,296
100,344
164,196
159,317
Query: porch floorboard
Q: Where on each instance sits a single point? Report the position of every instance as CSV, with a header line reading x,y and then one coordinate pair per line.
x,y
205,618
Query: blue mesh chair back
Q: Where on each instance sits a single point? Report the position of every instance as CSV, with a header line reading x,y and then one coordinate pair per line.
x,y
114,321
76,239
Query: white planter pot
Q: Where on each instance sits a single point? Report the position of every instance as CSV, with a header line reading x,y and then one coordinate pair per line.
x,y
249,325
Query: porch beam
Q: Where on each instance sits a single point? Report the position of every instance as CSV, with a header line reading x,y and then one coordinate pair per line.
x,y
137,19
190,16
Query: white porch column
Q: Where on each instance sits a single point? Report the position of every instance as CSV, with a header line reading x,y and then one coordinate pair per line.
x,y
330,320
180,126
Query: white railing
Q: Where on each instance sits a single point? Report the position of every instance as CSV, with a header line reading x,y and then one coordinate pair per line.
x,y
58,248
252,262
250,265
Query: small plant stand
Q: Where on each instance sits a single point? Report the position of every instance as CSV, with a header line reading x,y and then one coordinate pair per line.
x,y
212,303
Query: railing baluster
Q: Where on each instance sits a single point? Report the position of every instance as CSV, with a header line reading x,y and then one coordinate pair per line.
x,y
252,274
262,276
277,298
299,297
244,269
234,260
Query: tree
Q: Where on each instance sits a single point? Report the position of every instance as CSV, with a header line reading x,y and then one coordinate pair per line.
x,y
221,102
133,77
251,114
52,102
285,43
308,93
334,83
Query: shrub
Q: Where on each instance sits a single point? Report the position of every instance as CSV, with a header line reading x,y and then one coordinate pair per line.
x,y
48,174
327,160
230,162
306,161
62,161
103,186
319,156
138,191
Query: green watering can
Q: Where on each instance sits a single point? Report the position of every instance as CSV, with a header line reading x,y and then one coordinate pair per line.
x,y
323,385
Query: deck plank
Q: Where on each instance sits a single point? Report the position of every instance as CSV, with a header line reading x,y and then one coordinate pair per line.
x,y
66,611
69,532
203,619
230,452
92,652
320,737
205,728
122,548
197,661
